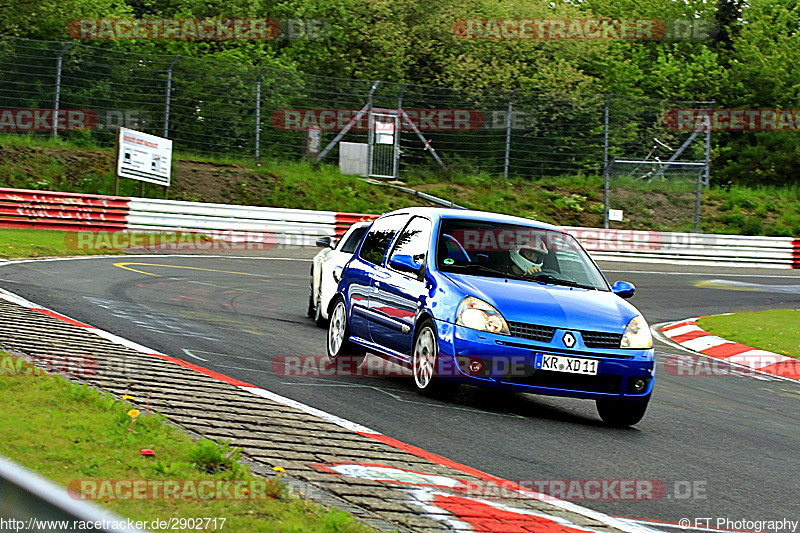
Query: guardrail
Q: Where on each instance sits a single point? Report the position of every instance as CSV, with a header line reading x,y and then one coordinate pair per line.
x,y
21,208
689,248
29,502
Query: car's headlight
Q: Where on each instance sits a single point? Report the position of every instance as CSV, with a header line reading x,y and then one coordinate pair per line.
x,y
637,334
477,314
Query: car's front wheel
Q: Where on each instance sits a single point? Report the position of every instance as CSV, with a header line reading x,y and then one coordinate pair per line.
x,y
342,353
621,413
425,364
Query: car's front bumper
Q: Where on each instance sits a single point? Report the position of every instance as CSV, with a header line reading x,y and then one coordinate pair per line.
x,y
508,362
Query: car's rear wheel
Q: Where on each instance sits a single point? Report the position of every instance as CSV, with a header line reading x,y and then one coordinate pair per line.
x,y
342,353
621,413
318,318
310,311
425,364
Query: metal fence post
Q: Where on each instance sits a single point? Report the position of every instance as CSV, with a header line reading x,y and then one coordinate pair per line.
x,y
399,130
258,113
698,194
57,101
707,177
605,131
508,135
370,127
606,177
168,96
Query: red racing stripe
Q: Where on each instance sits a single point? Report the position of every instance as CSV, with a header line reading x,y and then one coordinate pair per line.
x,y
787,369
678,325
729,349
689,336
61,317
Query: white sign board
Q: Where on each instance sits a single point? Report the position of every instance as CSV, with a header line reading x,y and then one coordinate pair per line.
x,y
144,157
615,215
384,131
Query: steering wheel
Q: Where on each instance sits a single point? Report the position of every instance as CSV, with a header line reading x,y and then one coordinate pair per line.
x,y
547,272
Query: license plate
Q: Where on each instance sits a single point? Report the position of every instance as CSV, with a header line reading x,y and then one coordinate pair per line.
x,y
571,365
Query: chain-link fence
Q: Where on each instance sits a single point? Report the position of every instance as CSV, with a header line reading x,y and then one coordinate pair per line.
x,y
207,107
653,194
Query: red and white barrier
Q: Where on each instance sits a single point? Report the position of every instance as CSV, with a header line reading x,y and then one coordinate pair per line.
x,y
86,212
21,208
690,336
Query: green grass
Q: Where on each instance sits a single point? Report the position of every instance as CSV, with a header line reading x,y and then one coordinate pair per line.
x,y
31,243
46,164
68,432
776,330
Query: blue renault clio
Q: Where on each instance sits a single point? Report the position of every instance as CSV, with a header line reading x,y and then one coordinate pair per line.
x,y
492,300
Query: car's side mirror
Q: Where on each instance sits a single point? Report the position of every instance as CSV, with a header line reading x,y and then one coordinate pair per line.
x,y
623,289
405,263
325,242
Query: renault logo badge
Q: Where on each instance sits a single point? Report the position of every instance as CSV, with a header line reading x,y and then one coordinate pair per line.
x,y
568,339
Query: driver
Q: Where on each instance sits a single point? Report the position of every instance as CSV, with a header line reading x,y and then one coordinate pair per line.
x,y
526,260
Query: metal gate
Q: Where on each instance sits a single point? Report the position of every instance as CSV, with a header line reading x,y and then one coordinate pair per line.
x,y
384,143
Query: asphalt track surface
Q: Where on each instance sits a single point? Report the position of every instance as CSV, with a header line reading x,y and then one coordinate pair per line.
x,y
734,439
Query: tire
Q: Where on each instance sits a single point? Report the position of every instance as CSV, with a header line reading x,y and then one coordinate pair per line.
x,y
310,311
318,319
621,413
425,364
342,354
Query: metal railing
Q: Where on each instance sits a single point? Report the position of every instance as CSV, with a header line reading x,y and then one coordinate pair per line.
x,y
207,107
29,502
86,212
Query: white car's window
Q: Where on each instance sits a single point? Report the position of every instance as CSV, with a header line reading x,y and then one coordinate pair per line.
x,y
351,243
380,237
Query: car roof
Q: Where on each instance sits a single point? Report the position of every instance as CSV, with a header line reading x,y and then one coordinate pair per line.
x,y
471,214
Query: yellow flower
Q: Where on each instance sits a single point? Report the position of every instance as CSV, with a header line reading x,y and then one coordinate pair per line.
x,y
133,413
279,469
127,397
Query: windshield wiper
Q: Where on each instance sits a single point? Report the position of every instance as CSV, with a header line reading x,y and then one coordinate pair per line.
x,y
547,278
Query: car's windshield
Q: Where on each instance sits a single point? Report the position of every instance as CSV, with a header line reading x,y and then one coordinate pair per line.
x,y
497,249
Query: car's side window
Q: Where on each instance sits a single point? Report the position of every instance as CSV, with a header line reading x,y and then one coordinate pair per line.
x,y
414,240
352,241
379,237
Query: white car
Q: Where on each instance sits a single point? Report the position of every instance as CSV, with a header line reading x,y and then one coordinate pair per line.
x,y
326,264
